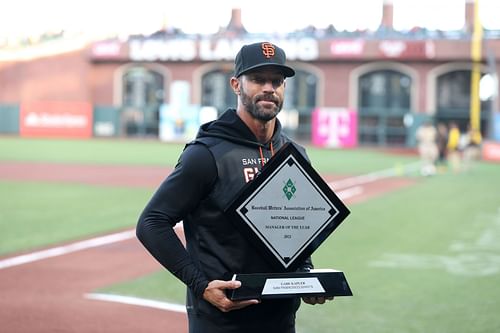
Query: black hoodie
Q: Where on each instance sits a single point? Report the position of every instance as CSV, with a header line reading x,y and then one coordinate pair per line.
x,y
211,170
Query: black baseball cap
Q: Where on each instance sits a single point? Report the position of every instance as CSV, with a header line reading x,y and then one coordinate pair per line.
x,y
257,55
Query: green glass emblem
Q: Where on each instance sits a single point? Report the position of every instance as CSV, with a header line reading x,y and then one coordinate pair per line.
x,y
289,189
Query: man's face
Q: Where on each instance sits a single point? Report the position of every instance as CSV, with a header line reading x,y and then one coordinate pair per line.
x,y
262,93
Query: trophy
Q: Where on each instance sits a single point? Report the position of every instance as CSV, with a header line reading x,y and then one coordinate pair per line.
x,y
286,212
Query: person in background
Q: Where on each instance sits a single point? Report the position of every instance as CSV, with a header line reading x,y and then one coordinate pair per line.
x,y
472,148
442,141
453,147
427,148
226,154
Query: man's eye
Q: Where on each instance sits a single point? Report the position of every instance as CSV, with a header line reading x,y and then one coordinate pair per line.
x,y
262,81
278,82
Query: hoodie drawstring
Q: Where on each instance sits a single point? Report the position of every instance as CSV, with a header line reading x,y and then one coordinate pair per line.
x,y
262,154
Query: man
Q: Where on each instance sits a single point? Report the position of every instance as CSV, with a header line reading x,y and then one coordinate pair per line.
x,y
453,147
226,154
472,147
427,148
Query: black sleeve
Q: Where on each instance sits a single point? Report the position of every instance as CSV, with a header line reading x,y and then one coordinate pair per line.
x,y
192,178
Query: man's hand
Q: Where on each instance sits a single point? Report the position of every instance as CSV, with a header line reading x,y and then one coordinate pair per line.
x,y
216,295
316,300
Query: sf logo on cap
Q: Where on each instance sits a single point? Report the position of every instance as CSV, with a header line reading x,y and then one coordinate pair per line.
x,y
268,50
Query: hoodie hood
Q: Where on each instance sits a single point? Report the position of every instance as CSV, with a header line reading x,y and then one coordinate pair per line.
x,y
229,126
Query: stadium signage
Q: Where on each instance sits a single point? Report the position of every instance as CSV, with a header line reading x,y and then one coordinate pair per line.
x,y
407,49
304,49
334,127
56,119
347,48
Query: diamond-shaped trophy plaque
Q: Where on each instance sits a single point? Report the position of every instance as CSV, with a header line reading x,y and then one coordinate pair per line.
x,y
287,211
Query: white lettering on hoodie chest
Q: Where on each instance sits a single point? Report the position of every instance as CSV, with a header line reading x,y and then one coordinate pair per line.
x,y
251,167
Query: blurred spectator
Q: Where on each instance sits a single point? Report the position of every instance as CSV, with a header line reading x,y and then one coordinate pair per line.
x,y
472,147
427,148
453,148
442,142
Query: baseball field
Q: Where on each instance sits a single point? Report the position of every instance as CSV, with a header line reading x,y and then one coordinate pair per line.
x,y
421,254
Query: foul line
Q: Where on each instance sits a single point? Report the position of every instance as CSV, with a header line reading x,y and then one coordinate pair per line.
x,y
65,249
350,192
374,176
137,301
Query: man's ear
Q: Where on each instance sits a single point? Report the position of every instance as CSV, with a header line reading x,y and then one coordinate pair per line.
x,y
235,84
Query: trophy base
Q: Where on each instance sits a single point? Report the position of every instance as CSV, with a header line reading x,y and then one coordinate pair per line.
x,y
317,282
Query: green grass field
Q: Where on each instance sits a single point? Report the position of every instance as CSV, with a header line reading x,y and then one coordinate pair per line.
x,y
422,259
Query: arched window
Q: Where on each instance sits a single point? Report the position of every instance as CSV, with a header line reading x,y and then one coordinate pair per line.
x,y
216,91
453,99
142,96
385,89
384,100
301,91
300,100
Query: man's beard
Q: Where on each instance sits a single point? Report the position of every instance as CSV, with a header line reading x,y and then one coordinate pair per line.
x,y
258,112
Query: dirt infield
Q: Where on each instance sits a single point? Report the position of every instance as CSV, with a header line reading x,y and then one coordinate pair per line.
x,y
48,295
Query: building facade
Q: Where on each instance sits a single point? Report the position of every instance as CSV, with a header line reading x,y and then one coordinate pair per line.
x,y
351,88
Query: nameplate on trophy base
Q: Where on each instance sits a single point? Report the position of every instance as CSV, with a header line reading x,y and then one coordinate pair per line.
x,y
318,283
286,212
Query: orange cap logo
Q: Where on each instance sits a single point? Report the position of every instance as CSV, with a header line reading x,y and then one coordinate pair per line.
x,y
268,50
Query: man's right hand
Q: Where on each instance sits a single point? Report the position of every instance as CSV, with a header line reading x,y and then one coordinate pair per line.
x,y
215,293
